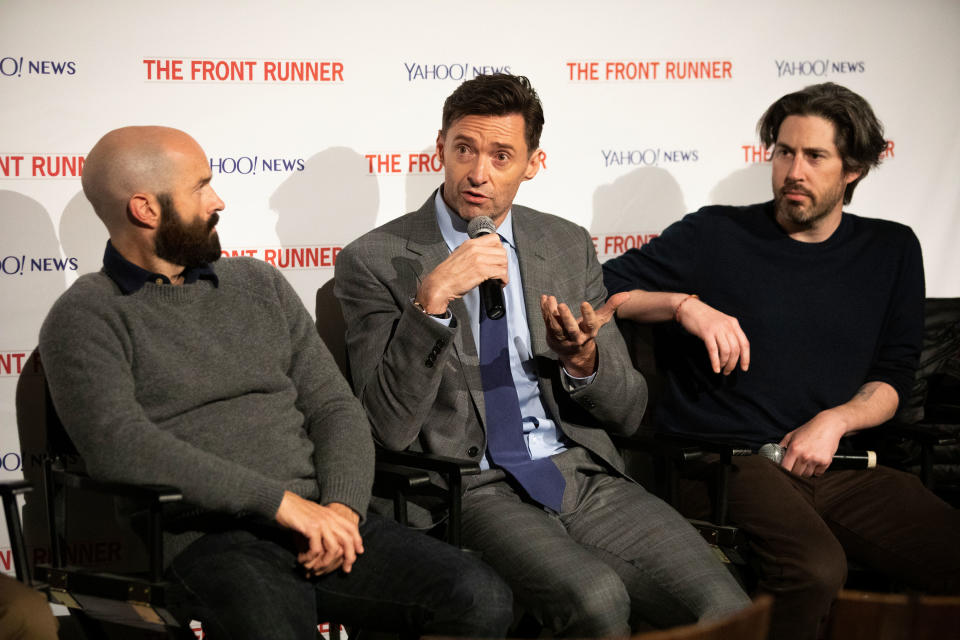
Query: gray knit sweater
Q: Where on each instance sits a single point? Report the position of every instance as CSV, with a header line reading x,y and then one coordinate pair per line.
x,y
225,392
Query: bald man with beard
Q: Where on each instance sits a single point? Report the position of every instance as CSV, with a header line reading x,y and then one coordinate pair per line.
x,y
170,366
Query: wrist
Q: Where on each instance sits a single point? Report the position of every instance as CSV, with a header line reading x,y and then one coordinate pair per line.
x,y
582,365
345,511
679,305
841,421
281,516
442,316
429,302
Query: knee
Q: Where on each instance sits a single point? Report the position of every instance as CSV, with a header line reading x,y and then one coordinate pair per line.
x,y
25,612
606,608
822,571
599,606
723,597
481,602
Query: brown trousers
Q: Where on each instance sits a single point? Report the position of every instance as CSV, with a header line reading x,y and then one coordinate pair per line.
x,y
803,530
24,613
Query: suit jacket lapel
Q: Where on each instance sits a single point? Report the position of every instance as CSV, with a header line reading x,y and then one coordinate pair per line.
x,y
534,258
539,269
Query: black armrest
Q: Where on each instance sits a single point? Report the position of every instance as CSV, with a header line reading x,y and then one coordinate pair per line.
x,y
687,443
400,477
453,471
399,482
15,487
148,493
429,462
923,433
680,450
11,512
154,496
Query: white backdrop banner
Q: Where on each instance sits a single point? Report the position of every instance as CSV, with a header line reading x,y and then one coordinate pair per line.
x,y
320,120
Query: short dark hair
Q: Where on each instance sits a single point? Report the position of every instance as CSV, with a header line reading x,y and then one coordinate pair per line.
x,y
498,94
859,135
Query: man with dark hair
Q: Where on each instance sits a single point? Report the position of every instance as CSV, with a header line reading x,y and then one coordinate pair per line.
x,y
170,367
832,304
858,134
530,393
497,95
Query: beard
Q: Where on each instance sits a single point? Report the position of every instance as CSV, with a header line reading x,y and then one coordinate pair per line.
x,y
187,245
806,216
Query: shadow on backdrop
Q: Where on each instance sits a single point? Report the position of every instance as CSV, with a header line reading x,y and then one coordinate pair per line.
x,y
744,186
32,273
28,294
633,207
330,203
82,234
420,185
28,247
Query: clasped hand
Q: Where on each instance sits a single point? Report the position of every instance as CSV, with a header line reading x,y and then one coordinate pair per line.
x,y
328,536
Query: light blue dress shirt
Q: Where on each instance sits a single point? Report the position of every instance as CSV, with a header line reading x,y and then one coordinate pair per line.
x,y
539,430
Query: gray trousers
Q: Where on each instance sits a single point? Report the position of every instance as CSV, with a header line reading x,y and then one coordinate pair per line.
x,y
616,555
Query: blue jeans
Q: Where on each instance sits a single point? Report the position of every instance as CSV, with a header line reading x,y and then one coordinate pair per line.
x,y
246,583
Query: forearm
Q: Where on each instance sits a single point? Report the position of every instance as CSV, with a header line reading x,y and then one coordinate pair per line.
x,y
617,397
651,306
336,424
873,404
344,460
811,447
400,385
138,429
119,444
389,343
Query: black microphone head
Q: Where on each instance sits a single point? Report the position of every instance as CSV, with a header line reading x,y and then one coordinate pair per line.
x,y
771,451
481,226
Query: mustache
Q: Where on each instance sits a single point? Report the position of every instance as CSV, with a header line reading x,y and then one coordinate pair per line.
x,y
213,220
796,188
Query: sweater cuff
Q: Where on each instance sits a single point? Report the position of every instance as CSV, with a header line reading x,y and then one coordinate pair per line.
x,y
345,492
265,499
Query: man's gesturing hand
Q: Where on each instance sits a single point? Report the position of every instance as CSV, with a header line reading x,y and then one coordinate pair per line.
x,y
330,535
572,339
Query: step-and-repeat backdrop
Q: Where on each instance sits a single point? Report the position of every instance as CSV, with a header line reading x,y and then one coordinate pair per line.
x,y
320,120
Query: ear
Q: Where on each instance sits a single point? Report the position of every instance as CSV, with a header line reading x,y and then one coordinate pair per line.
x,y
144,210
851,176
440,139
533,164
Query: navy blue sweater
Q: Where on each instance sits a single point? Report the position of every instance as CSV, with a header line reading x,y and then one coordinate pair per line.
x,y
822,318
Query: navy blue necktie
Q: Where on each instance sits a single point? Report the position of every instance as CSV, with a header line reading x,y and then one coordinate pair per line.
x,y
540,478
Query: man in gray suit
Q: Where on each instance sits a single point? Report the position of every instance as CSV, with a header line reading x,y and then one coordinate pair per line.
x,y
531,394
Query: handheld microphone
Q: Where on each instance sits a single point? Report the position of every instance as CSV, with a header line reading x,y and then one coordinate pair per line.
x,y
491,291
854,460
